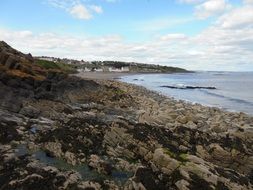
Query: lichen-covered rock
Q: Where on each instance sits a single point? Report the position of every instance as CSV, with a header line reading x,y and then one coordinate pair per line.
x,y
164,162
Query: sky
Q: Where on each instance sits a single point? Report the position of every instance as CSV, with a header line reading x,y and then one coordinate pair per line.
x,y
193,34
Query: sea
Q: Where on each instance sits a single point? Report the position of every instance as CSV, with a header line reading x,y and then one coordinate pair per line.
x,y
231,91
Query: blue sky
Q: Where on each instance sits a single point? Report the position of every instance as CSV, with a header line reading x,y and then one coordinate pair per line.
x,y
125,17
196,34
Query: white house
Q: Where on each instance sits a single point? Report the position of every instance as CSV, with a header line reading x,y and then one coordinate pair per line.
x,y
122,69
125,69
98,70
84,70
47,58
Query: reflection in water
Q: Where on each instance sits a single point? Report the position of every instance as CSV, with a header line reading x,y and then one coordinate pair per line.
x,y
119,177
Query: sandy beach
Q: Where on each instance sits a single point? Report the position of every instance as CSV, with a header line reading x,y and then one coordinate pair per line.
x,y
102,75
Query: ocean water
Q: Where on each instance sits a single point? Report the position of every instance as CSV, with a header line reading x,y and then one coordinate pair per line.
x,y
232,91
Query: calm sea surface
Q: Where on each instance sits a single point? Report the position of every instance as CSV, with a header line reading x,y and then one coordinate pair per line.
x,y
233,90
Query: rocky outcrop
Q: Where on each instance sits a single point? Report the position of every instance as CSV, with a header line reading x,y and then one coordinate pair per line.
x,y
189,87
11,58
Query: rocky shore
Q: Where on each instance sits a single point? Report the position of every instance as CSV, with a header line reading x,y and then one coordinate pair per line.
x,y
65,132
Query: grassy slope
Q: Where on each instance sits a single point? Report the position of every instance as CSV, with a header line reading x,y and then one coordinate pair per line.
x,y
49,65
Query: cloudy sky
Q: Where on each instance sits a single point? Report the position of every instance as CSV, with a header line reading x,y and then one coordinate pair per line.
x,y
194,34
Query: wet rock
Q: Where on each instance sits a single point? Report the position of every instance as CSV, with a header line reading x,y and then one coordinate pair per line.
x,y
101,166
53,149
71,179
70,158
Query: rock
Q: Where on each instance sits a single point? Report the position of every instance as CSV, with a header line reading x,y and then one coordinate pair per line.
x,y
10,119
182,119
53,149
30,111
200,171
11,62
51,170
29,180
9,157
132,185
164,162
71,179
10,100
70,158
218,153
126,166
110,185
146,177
101,166
182,185
88,185
8,133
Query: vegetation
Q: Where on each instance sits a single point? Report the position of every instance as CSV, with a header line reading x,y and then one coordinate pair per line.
x,y
50,65
182,157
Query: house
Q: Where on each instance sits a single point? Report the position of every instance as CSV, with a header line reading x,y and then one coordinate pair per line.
x,y
125,69
84,70
122,69
47,59
98,70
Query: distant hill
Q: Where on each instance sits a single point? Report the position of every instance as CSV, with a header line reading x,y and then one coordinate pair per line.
x,y
114,66
138,67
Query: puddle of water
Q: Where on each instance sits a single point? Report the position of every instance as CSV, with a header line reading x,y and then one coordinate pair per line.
x,y
119,177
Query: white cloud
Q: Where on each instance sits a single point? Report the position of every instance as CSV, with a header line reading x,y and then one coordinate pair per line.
x,y
225,45
214,48
248,1
175,36
80,12
206,8
237,18
97,9
76,8
211,8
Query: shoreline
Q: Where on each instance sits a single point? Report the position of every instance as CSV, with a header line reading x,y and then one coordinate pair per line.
x,y
103,75
114,75
98,76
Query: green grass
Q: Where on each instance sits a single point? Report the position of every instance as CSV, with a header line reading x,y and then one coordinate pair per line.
x,y
171,154
119,91
182,157
58,66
